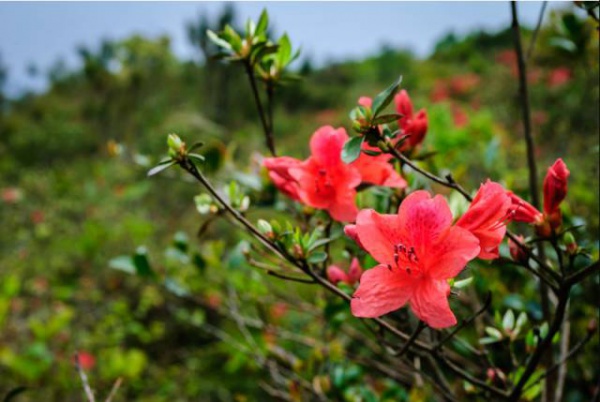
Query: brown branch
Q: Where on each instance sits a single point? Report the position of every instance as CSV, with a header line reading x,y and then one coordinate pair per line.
x,y
261,112
543,346
89,393
536,31
114,390
582,274
420,327
466,322
576,349
525,111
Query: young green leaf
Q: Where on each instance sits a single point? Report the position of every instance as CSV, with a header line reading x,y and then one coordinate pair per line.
x,y
263,23
351,150
384,98
217,40
463,283
142,264
508,322
285,51
160,168
386,118
317,257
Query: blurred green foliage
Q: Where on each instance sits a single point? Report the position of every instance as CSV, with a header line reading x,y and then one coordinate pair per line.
x,y
76,203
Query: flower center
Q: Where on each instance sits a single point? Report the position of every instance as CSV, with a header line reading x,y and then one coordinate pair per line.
x,y
323,183
405,258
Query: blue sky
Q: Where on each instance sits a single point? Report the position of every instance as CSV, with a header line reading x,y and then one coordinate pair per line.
x,y
41,33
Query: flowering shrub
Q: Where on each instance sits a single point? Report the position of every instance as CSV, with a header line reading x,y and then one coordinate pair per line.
x,y
415,247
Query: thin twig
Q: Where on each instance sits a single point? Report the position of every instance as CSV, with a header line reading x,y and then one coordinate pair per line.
x,y
536,31
420,327
464,323
576,349
543,346
115,388
290,278
89,393
261,112
582,274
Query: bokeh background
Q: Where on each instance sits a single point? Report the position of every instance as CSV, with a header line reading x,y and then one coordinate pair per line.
x,y
88,93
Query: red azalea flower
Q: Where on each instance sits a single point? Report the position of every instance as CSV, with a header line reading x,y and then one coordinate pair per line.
x,y
522,211
415,126
486,218
365,101
86,360
335,274
559,76
279,173
350,231
418,250
377,170
555,187
324,181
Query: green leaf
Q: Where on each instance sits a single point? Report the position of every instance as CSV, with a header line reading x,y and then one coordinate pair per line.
x,y
386,118
564,44
351,150
159,168
195,146
384,98
217,40
371,152
197,157
123,263
493,332
318,243
232,37
508,322
317,257
285,50
172,286
263,23
142,264
487,340
522,319
199,262
463,283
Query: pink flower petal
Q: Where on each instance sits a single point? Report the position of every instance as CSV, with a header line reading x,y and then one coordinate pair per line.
x,y
430,303
326,145
449,255
355,271
381,291
424,219
378,234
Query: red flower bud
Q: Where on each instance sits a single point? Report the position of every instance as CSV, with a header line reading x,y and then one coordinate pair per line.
x,y
404,107
355,271
516,252
555,188
336,274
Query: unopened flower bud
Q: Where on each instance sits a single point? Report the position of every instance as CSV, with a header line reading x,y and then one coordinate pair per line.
x,y
176,145
174,141
516,251
297,251
592,326
570,243
265,228
382,145
335,274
